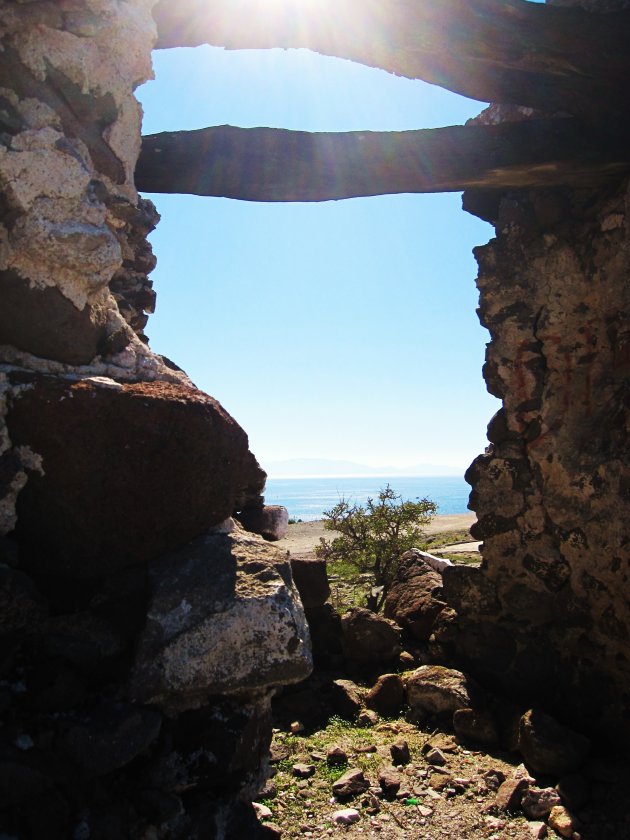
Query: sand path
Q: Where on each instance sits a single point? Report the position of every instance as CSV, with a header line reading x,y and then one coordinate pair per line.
x,y
302,537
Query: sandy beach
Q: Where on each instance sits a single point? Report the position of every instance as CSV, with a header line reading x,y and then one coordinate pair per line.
x,y
302,537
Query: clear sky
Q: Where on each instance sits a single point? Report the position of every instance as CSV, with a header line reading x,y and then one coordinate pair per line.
x,y
343,330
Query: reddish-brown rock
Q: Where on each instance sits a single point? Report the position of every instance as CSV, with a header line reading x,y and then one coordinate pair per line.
x,y
413,601
130,471
369,638
387,695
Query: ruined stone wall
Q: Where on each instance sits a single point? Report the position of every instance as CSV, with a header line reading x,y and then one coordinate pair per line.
x,y
142,633
548,615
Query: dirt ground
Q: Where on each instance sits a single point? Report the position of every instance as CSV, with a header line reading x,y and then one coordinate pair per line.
x,y
302,537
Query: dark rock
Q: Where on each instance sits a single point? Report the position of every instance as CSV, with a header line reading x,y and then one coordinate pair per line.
x,y
467,589
345,699
82,639
112,739
311,579
352,783
476,726
9,552
54,686
22,607
414,599
574,790
438,690
399,752
336,756
325,625
159,806
20,781
510,794
390,781
538,802
494,778
222,618
387,696
303,771
278,752
305,702
436,757
142,504
47,324
367,717
368,638
550,748
270,521
221,746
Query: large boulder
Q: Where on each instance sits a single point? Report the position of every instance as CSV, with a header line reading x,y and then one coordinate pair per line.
x,y
387,695
549,747
413,600
128,471
369,638
223,617
436,690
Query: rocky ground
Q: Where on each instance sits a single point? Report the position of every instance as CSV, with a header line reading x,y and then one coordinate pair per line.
x,y
410,749
406,781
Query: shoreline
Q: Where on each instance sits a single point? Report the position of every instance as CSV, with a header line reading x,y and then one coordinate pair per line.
x,y
302,537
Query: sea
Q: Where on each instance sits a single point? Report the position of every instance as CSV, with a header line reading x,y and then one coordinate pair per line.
x,y
308,498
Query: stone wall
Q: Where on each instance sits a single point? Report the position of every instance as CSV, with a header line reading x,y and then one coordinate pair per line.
x,y
548,614
142,633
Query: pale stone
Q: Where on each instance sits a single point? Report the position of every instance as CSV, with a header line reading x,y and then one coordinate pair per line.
x,y
437,690
347,816
561,821
215,626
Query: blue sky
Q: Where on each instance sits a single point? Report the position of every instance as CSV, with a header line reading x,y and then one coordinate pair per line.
x,y
336,330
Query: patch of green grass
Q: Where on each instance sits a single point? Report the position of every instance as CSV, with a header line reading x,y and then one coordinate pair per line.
x,y
447,538
472,558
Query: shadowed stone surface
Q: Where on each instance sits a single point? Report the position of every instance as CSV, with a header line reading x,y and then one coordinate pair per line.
x,y
368,637
438,690
130,471
413,601
45,323
223,617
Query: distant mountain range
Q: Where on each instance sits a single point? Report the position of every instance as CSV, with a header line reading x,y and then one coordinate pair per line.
x,y
311,467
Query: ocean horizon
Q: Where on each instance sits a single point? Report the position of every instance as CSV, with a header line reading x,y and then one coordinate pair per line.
x,y
307,498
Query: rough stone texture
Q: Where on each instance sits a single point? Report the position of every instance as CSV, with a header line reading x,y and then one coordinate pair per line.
x,y
369,638
325,626
510,794
153,447
311,579
270,521
223,618
438,690
549,747
350,784
413,600
387,695
108,458
476,726
345,699
546,615
538,802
